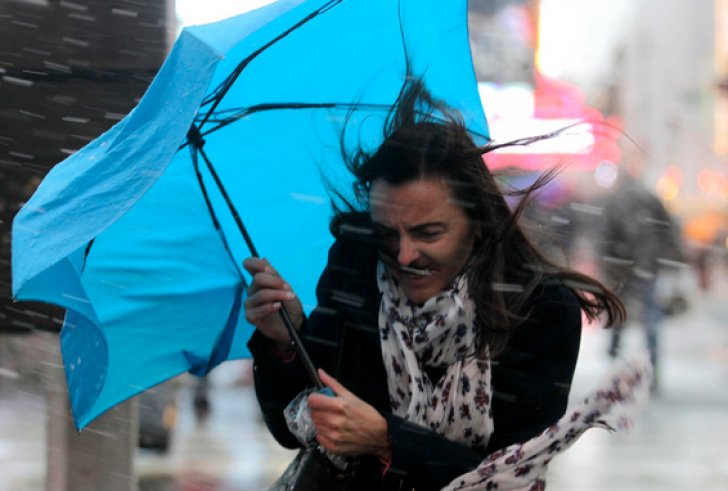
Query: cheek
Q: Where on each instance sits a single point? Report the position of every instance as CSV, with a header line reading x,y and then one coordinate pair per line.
x,y
449,256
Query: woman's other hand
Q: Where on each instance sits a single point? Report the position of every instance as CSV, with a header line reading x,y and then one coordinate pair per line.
x,y
267,293
347,425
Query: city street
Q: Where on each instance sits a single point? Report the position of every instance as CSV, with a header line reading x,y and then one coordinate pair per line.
x,y
680,441
147,148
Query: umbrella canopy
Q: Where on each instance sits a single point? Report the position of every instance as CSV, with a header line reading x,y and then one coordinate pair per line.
x,y
138,234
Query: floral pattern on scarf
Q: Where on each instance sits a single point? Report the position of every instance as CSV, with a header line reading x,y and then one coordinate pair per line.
x,y
522,466
439,333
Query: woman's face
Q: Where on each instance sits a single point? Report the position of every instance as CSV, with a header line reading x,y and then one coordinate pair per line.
x,y
422,229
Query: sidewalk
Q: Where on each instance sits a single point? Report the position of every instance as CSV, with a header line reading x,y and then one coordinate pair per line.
x,y
679,443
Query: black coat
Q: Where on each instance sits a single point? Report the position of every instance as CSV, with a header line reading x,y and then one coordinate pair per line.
x,y
530,380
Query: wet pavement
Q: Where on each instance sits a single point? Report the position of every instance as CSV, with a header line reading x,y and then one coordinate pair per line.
x,y
680,441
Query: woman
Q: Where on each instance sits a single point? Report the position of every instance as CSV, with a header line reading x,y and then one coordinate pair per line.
x,y
444,334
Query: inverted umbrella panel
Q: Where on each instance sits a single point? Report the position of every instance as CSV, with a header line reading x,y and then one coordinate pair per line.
x,y
141,245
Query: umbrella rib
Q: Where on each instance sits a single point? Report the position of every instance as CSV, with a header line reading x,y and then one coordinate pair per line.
x,y
245,112
211,211
196,137
221,90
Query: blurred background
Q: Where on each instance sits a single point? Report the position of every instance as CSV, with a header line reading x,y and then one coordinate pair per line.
x,y
641,202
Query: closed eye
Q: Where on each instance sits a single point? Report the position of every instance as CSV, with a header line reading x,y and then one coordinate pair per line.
x,y
428,232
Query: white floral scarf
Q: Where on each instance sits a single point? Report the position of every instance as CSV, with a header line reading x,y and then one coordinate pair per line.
x,y
440,333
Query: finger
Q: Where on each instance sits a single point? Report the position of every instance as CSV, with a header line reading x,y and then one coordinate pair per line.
x,y
330,381
268,267
327,423
267,296
267,280
256,315
319,403
254,265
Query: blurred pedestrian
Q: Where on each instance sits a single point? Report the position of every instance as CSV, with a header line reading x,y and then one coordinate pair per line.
x,y
639,241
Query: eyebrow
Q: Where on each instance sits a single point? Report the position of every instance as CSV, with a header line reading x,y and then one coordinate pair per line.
x,y
415,228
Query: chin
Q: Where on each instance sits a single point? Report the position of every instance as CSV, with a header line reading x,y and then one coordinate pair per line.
x,y
420,295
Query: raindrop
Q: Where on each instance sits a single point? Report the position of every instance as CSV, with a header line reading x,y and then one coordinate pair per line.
x,y
34,51
89,18
35,72
62,99
17,81
114,116
57,66
25,24
74,6
75,298
22,155
124,12
34,115
560,220
309,198
76,42
41,3
33,313
7,373
584,208
507,287
74,119
22,324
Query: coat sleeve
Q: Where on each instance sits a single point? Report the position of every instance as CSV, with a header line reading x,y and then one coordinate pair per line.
x,y
422,459
532,379
277,382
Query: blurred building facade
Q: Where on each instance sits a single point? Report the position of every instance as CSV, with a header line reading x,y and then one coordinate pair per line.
x,y
69,70
658,65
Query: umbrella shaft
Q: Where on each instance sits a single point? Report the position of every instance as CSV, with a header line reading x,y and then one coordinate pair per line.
x,y
195,138
300,350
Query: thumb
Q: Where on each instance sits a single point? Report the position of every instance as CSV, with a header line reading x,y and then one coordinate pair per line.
x,y
334,384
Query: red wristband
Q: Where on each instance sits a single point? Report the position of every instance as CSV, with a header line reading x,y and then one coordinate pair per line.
x,y
386,461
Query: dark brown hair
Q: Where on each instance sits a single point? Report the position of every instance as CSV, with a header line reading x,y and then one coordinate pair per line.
x,y
424,138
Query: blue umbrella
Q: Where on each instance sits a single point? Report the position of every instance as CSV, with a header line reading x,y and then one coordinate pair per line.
x,y
140,235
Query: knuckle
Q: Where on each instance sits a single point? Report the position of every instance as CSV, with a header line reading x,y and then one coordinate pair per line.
x,y
336,438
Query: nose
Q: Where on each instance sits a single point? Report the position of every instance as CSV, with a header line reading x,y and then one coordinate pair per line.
x,y
408,252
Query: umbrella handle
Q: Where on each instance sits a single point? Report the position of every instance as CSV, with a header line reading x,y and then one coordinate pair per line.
x,y
300,349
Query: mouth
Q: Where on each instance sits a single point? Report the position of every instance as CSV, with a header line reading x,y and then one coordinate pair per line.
x,y
415,272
